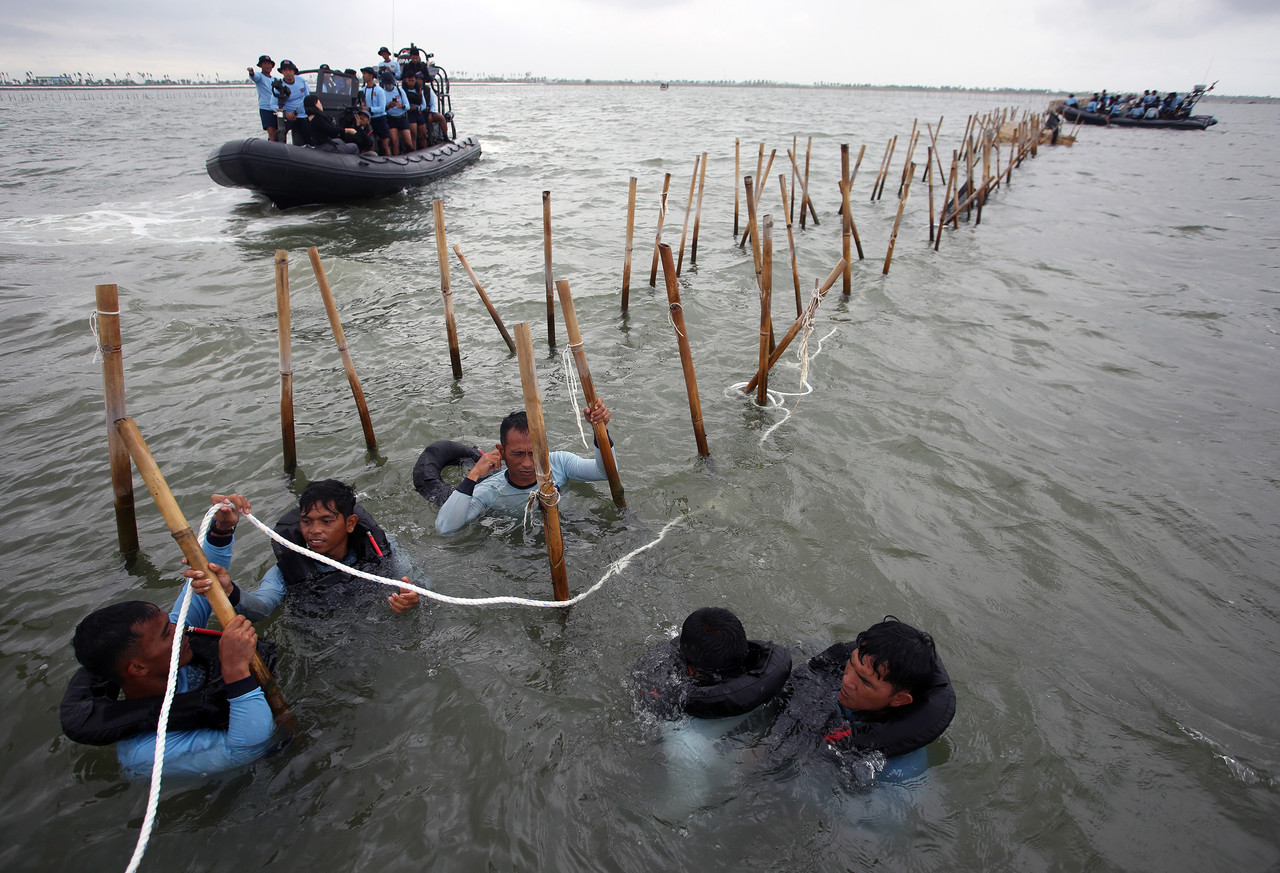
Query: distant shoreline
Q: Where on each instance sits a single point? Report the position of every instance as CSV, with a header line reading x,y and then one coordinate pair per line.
x,y
172,86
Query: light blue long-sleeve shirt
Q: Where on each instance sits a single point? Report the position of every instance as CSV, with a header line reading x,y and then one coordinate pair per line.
x,y
497,494
248,735
266,98
375,99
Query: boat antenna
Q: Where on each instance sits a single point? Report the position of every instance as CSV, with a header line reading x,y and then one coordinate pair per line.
x,y
1206,71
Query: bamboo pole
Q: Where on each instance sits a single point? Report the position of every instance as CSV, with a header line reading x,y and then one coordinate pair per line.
x,y
884,163
804,189
902,204
760,180
688,211
589,390
766,320
791,207
791,239
626,257
546,273
686,355
737,173
697,213
846,237
751,229
946,197
776,354
111,347
929,170
808,152
548,497
446,289
186,538
911,150
884,177
484,298
285,341
657,240
341,339
933,141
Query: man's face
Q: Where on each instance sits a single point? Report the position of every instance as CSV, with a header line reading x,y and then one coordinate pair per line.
x,y
368,77
517,453
155,642
863,689
325,530
267,67
287,72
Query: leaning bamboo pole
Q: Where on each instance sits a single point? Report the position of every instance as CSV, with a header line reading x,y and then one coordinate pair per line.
x,y
791,239
657,240
682,340
187,541
884,176
484,298
804,189
546,271
911,150
760,180
446,289
766,319
285,341
751,228
341,339
589,390
946,198
626,257
697,212
548,497
884,165
111,347
929,170
781,347
902,203
688,211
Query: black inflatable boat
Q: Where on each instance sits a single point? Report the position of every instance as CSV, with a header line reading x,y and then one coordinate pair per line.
x,y
293,175
1191,122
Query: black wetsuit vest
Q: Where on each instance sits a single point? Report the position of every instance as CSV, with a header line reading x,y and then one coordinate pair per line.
x,y
318,583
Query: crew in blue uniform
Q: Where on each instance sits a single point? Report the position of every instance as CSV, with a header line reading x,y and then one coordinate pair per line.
x,y
375,100
295,117
267,104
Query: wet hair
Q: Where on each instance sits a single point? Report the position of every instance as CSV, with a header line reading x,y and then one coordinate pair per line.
x,y
900,654
713,640
326,493
309,103
106,637
517,420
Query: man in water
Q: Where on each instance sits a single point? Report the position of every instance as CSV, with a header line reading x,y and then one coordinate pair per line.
x,y
481,491
327,521
885,691
261,77
129,644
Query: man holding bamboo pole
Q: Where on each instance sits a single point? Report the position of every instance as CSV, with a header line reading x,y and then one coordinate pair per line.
x,y
128,647
482,492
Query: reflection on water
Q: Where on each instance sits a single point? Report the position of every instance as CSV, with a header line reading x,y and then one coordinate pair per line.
x,y
1051,444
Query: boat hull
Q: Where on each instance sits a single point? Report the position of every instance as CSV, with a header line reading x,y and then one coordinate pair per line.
x,y
295,176
1194,122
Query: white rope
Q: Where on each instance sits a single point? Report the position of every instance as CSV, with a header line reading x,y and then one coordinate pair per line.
x,y
614,569
162,726
776,398
93,329
571,384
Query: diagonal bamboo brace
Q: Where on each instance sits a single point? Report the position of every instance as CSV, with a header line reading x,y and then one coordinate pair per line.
x,y
177,522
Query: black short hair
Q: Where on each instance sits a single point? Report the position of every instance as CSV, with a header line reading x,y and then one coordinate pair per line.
x,y
105,637
515,421
328,492
713,640
900,654
309,103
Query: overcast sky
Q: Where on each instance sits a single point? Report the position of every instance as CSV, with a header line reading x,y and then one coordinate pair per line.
x,y
1070,45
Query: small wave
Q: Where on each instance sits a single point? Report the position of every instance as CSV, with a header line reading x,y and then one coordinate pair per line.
x,y
1239,770
182,220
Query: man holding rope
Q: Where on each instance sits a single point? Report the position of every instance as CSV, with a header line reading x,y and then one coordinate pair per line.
x,y
481,492
128,646
327,521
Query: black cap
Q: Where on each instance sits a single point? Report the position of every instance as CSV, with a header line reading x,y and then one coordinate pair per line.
x,y
384,49
369,70
288,64
265,59
364,112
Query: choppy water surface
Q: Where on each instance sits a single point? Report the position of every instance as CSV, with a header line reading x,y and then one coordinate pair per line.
x,y
1053,444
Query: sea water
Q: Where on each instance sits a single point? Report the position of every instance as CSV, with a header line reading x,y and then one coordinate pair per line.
x,y
1052,444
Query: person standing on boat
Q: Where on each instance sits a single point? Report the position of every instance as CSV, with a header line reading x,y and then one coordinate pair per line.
x,y
481,491
412,86
387,64
375,100
397,114
295,118
431,114
261,78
